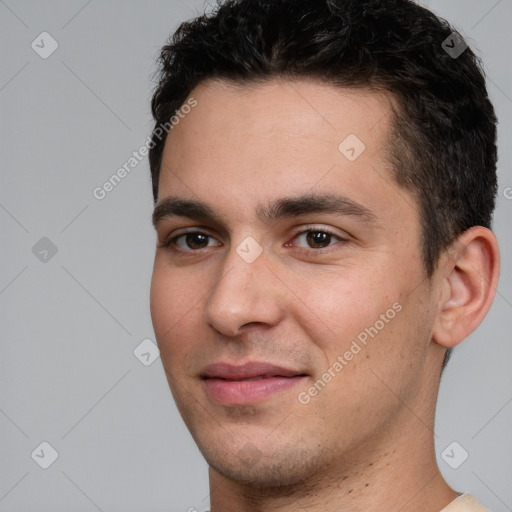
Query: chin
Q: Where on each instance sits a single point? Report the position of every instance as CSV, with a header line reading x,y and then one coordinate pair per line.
x,y
262,476
282,468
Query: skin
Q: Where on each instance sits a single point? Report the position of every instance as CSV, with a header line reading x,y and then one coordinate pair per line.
x,y
365,441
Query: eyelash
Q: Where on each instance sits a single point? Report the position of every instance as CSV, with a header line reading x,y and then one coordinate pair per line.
x,y
170,244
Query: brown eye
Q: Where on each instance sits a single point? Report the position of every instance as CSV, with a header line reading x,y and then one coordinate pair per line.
x,y
196,240
193,241
318,239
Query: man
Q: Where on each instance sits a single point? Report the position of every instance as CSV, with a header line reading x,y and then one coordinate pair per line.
x,y
324,175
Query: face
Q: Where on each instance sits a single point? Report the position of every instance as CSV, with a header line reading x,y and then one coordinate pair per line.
x,y
288,295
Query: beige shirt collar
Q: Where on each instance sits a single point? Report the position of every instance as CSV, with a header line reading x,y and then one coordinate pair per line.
x,y
465,503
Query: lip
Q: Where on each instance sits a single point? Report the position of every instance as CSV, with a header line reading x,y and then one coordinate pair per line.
x,y
249,383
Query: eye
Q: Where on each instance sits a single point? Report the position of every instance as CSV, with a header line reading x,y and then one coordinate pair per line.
x,y
315,238
191,241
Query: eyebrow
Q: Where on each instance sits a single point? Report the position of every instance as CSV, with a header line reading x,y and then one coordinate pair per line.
x,y
285,207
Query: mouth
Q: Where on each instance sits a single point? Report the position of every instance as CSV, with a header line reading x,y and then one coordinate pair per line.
x,y
247,384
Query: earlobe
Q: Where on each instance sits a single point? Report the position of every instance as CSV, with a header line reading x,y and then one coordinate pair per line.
x,y
470,272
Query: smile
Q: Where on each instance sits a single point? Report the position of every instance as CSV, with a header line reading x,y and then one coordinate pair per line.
x,y
248,384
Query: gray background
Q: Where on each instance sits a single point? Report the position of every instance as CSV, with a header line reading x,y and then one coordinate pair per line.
x,y
70,324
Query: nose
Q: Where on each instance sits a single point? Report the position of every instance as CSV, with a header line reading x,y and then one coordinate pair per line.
x,y
246,293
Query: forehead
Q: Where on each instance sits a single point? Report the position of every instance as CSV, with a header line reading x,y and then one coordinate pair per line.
x,y
244,144
279,108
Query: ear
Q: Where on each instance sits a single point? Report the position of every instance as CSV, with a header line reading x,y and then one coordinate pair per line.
x,y
469,273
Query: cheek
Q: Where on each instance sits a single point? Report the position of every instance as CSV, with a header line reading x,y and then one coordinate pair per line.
x,y
162,305
346,302
174,306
